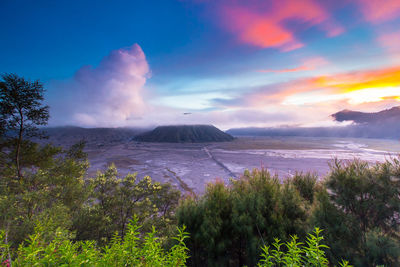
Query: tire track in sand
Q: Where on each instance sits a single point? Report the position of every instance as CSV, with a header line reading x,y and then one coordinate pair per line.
x,y
219,163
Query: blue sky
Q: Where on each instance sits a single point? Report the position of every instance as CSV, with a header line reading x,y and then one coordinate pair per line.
x,y
229,62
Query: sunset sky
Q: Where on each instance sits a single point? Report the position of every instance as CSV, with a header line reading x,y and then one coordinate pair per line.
x,y
225,62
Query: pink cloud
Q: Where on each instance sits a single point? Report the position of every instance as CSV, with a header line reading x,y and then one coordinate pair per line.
x,y
258,30
110,94
390,41
262,23
377,11
309,64
296,69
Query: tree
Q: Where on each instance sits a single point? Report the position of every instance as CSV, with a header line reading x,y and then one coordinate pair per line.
x,y
115,200
54,188
229,223
21,111
359,211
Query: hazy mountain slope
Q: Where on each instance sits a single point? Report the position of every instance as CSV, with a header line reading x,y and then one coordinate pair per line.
x,y
185,134
92,136
383,124
392,115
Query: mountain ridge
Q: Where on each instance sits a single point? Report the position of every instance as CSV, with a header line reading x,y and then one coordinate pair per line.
x,y
184,134
384,124
392,114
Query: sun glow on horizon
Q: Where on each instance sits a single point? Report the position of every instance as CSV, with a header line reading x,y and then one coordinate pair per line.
x,y
373,95
361,96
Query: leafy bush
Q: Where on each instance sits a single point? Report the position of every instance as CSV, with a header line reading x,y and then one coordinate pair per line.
x,y
296,254
113,201
53,184
146,250
359,210
229,222
132,250
305,184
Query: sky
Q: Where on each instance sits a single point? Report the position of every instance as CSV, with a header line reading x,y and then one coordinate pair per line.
x,y
231,63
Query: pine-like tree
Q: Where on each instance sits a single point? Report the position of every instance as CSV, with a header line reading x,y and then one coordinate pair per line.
x,y
21,112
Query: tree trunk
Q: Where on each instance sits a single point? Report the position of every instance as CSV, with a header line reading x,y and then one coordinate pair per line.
x,y
18,149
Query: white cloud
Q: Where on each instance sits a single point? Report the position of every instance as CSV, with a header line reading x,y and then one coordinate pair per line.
x,y
111,94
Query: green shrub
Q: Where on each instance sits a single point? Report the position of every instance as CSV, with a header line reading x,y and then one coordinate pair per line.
x,y
229,222
359,210
296,254
113,201
132,250
305,184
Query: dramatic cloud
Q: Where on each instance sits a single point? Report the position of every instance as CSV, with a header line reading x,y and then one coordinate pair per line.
x,y
113,94
313,99
110,94
354,87
286,89
264,23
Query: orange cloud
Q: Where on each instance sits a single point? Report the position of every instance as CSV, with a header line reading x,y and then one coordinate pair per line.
x,y
263,24
354,87
377,11
397,98
388,77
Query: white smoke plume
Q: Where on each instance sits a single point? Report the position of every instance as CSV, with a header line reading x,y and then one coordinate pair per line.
x,y
110,94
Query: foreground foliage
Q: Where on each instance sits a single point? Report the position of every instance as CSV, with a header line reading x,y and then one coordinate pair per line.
x,y
296,254
146,250
132,250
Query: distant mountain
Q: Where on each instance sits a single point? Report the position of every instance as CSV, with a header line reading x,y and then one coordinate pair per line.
x,y
185,134
68,135
382,124
392,115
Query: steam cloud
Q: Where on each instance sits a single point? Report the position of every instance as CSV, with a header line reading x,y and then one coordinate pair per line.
x,y
110,94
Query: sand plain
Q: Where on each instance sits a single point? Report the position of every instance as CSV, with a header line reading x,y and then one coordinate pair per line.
x,y
191,166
